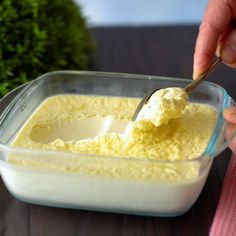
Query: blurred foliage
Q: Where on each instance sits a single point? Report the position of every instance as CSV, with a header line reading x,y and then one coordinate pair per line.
x,y
37,36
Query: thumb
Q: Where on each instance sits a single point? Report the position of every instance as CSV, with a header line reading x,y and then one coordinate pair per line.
x,y
228,49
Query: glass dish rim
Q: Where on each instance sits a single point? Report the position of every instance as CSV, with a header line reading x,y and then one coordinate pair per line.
x,y
9,148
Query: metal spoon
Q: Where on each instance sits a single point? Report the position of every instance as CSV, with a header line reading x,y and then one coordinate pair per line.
x,y
188,88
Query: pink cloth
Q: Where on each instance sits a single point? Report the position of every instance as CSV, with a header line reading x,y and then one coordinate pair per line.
x,y
224,223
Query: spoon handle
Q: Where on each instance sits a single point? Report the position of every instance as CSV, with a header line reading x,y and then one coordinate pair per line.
x,y
202,76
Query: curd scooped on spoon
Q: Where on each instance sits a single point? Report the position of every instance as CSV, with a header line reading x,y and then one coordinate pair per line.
x,y
164,105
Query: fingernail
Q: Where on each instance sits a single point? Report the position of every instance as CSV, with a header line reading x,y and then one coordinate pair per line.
x,y
196,73
228,54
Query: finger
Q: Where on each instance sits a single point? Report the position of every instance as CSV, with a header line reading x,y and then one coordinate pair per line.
x,y
230,115
231,127
222,38
217,18
228,49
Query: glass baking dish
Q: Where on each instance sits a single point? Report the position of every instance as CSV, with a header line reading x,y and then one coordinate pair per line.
x,y
57,182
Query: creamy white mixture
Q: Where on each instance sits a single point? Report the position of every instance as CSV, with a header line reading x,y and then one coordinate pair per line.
x,y
164,105
101,126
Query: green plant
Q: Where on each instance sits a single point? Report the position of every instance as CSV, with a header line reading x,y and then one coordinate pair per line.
x,y
37,36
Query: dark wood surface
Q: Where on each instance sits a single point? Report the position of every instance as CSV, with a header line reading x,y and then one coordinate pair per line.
x,y
165,51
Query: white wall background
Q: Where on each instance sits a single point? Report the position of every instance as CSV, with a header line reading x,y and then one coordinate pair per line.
x,y
142,12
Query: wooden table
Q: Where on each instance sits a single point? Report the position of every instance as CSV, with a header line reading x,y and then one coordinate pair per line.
x,y
165,51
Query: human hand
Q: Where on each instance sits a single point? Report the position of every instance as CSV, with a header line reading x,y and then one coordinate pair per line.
x,y
230,116
217,35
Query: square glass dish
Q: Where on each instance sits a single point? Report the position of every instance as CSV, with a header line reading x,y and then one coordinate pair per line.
x,y
53,183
